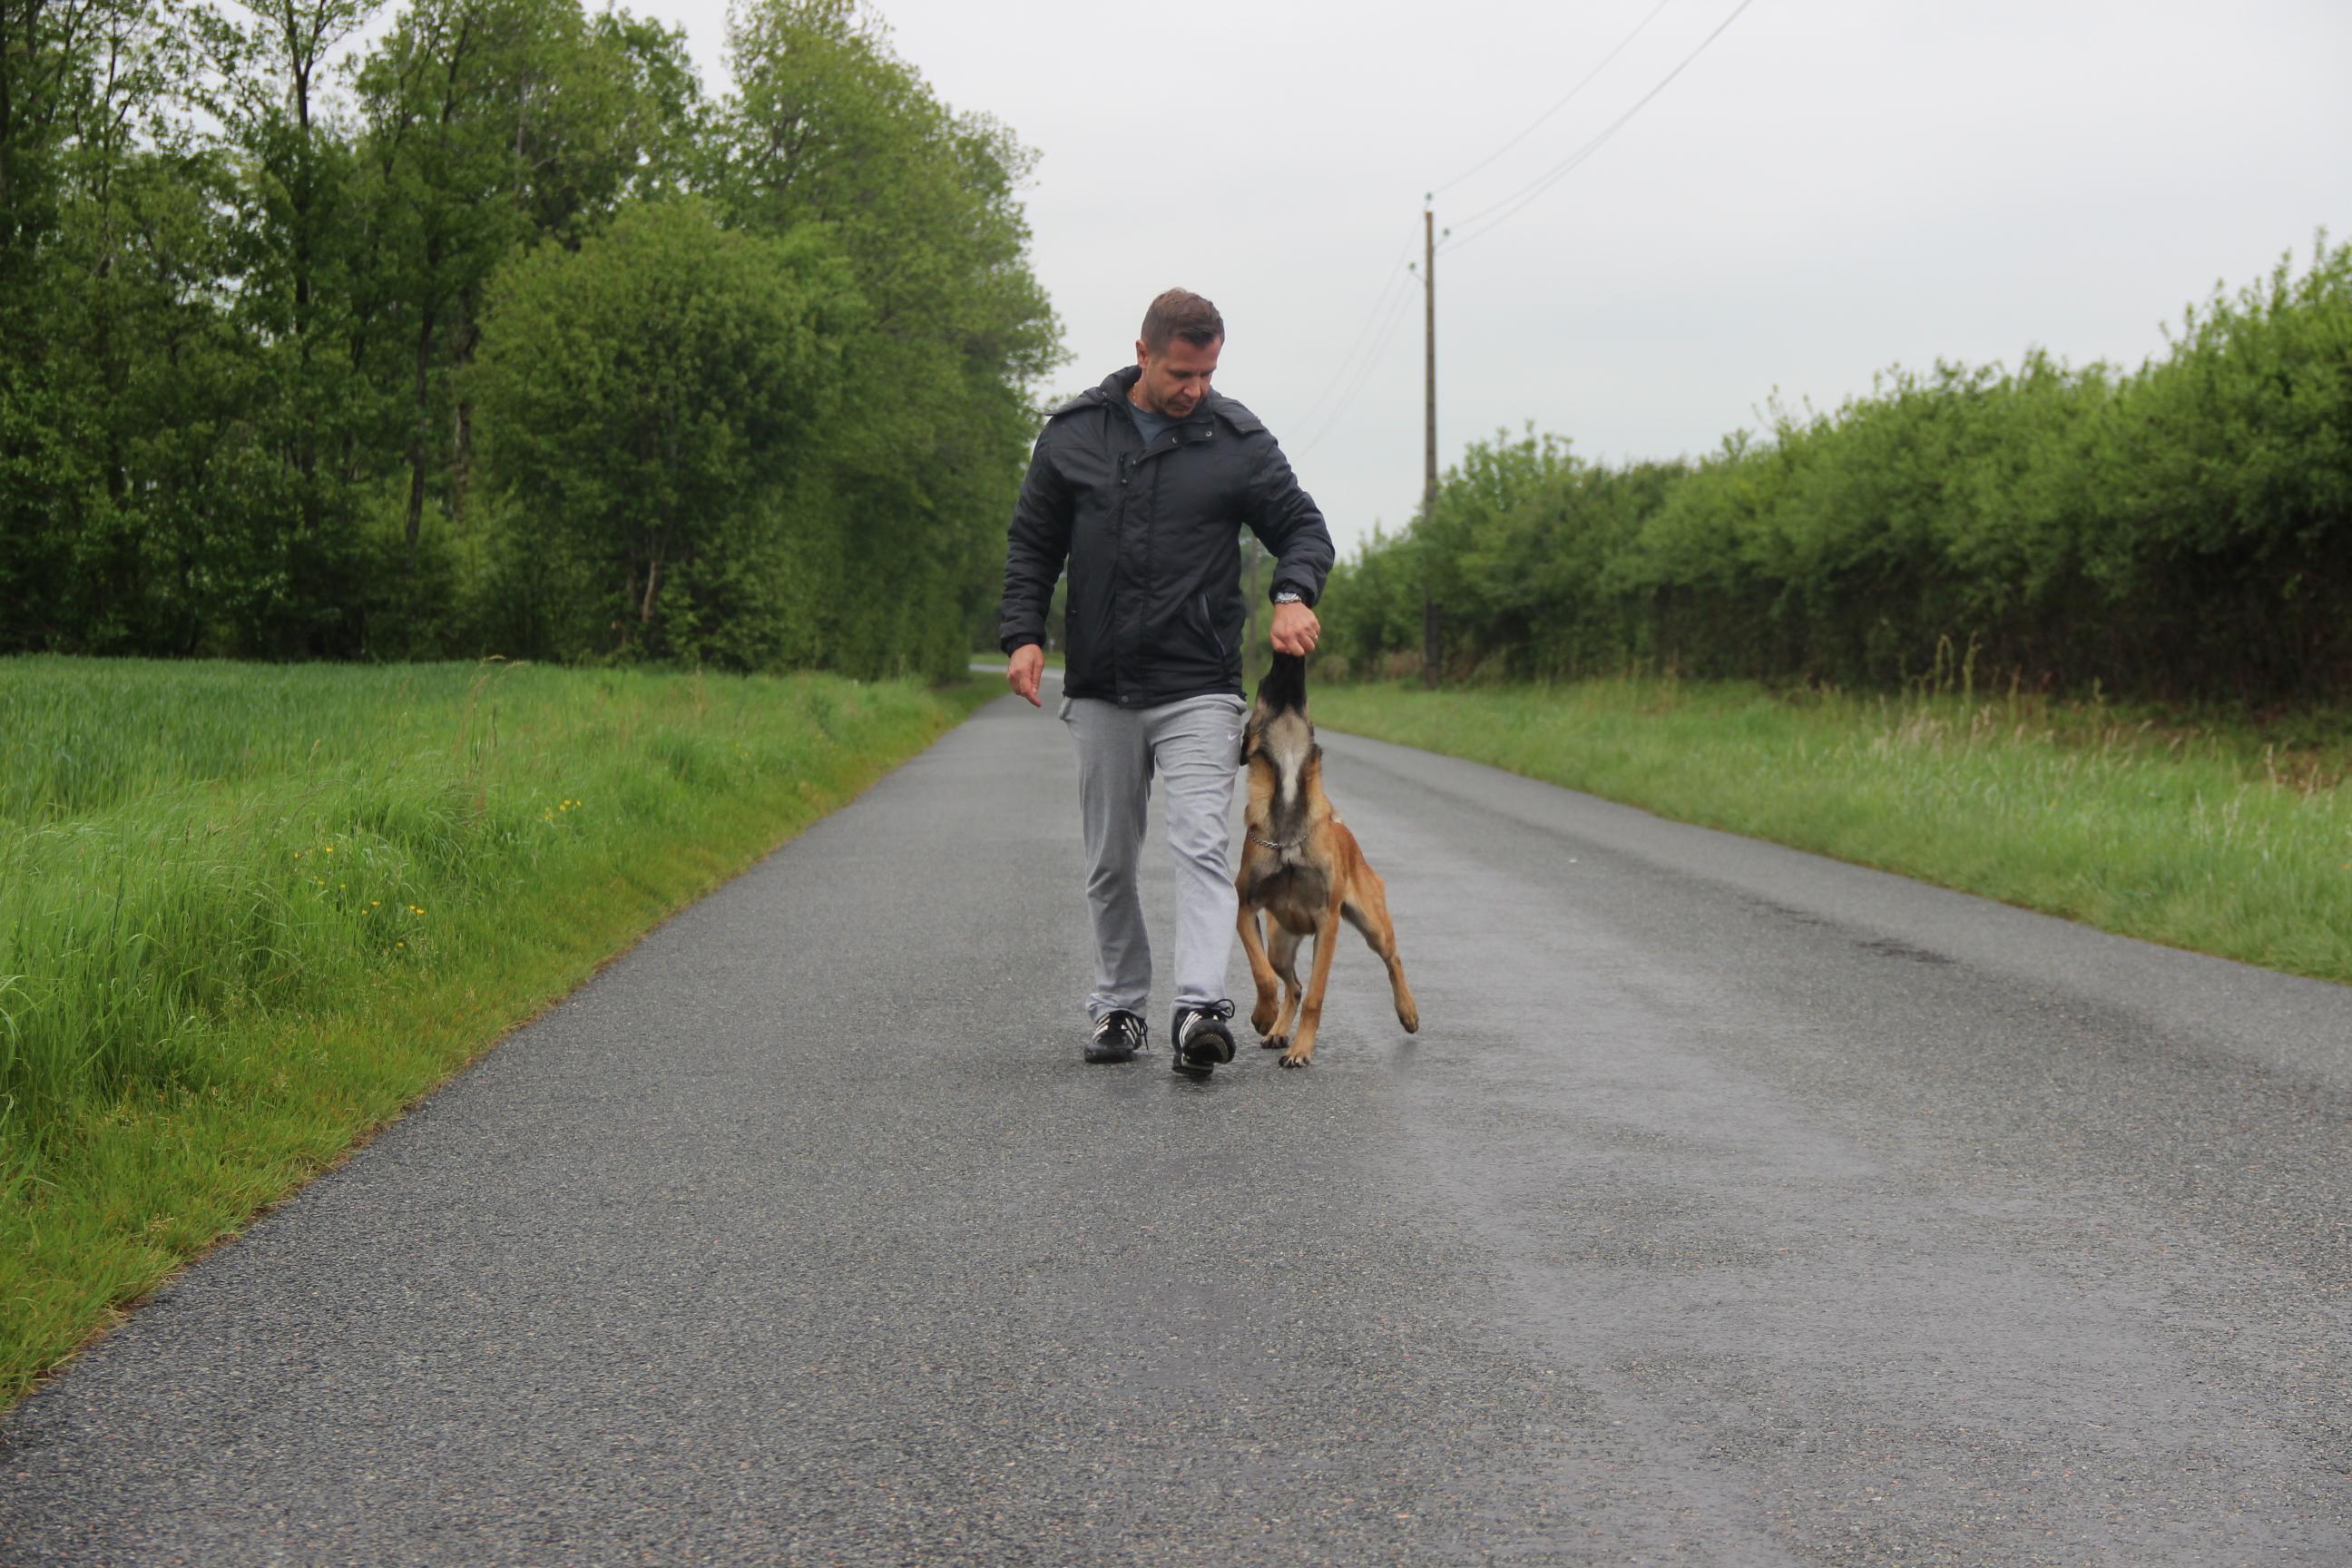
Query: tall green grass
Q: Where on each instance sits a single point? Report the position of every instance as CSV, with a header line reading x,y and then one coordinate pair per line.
x,y
247,912
2211,836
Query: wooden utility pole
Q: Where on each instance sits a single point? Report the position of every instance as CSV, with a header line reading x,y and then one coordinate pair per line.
x,y
1430,655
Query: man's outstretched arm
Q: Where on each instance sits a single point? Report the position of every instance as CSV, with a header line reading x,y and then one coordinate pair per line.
x,y
1287,522
1295,629
1034,549
1024,669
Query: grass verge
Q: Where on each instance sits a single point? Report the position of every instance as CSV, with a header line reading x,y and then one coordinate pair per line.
x,y
249,913
2215,836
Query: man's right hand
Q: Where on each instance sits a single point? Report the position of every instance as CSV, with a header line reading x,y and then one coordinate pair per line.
x,y
1025,670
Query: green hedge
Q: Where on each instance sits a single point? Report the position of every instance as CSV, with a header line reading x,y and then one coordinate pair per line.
x,y
2184,531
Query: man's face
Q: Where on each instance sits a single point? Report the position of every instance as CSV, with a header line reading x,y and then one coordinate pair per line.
x,y
1175,379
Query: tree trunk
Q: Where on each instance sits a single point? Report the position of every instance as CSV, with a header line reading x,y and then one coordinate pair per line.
x,y
461,464
461,442
416,439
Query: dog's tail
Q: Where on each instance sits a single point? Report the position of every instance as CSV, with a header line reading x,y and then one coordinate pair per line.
x,y
1284,686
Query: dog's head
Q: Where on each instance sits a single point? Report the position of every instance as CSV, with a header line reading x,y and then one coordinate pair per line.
x,y
1279,737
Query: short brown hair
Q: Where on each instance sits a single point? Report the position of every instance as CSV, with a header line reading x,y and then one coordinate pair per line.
x,y
1181,313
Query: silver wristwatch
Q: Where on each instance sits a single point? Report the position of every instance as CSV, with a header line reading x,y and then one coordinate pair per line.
x,y
1287,596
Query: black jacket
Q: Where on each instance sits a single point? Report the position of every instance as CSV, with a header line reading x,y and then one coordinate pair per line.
x,y
1154,542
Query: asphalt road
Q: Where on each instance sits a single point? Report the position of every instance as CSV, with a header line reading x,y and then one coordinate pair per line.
x,y
1733,1207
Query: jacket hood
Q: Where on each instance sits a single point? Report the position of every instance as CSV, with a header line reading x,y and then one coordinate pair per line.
x,y
1115,387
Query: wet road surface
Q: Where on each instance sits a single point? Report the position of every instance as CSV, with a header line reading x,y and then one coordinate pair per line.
x,y
1733,1207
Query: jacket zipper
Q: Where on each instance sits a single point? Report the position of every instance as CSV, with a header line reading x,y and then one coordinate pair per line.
x,y
1209,623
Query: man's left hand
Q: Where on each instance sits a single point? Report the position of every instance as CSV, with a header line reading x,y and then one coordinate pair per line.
x,y
1295,629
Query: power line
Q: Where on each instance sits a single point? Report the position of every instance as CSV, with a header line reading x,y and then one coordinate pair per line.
x,y
1518,200
1563,103
1340,373
1396,315
1387,307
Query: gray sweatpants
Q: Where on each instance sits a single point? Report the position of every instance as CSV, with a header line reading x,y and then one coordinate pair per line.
x,y
1195,746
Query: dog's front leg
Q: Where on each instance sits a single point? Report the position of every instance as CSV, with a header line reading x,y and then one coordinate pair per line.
x,y
1310,1012
1253,948
1282,952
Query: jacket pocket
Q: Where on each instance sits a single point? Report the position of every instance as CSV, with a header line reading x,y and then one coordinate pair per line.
x,y
1209,625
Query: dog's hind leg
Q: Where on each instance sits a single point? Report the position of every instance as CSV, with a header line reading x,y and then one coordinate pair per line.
x,y
1261,972
1367,910
1302,1044
1282,951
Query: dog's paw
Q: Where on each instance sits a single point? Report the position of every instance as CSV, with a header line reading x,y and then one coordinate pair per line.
x,y
1290,1061
1274,1043
1263,1017
1410,1020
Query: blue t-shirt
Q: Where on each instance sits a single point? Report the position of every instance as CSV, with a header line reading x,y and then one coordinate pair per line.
x,y
1149,425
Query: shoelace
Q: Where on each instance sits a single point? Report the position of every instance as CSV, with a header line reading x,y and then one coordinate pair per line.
x,y
1218,1010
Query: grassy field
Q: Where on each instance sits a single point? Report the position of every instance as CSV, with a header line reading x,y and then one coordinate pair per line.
x,y
248,913
2219,836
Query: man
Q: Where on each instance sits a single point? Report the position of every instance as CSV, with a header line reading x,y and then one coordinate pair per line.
x,y
1143,485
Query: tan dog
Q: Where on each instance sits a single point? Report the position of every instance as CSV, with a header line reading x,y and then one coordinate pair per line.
x,y
1302,866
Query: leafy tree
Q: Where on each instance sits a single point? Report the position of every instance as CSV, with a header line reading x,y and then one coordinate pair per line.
x,y
490,125
51,60
651,400
2225,486
2184,531
832,129
244,283
292,293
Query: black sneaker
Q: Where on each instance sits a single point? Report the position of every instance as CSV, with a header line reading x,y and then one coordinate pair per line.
x,y
1119,1035
1203,1041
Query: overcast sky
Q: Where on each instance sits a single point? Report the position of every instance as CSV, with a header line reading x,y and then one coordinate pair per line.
x,y
1831,187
